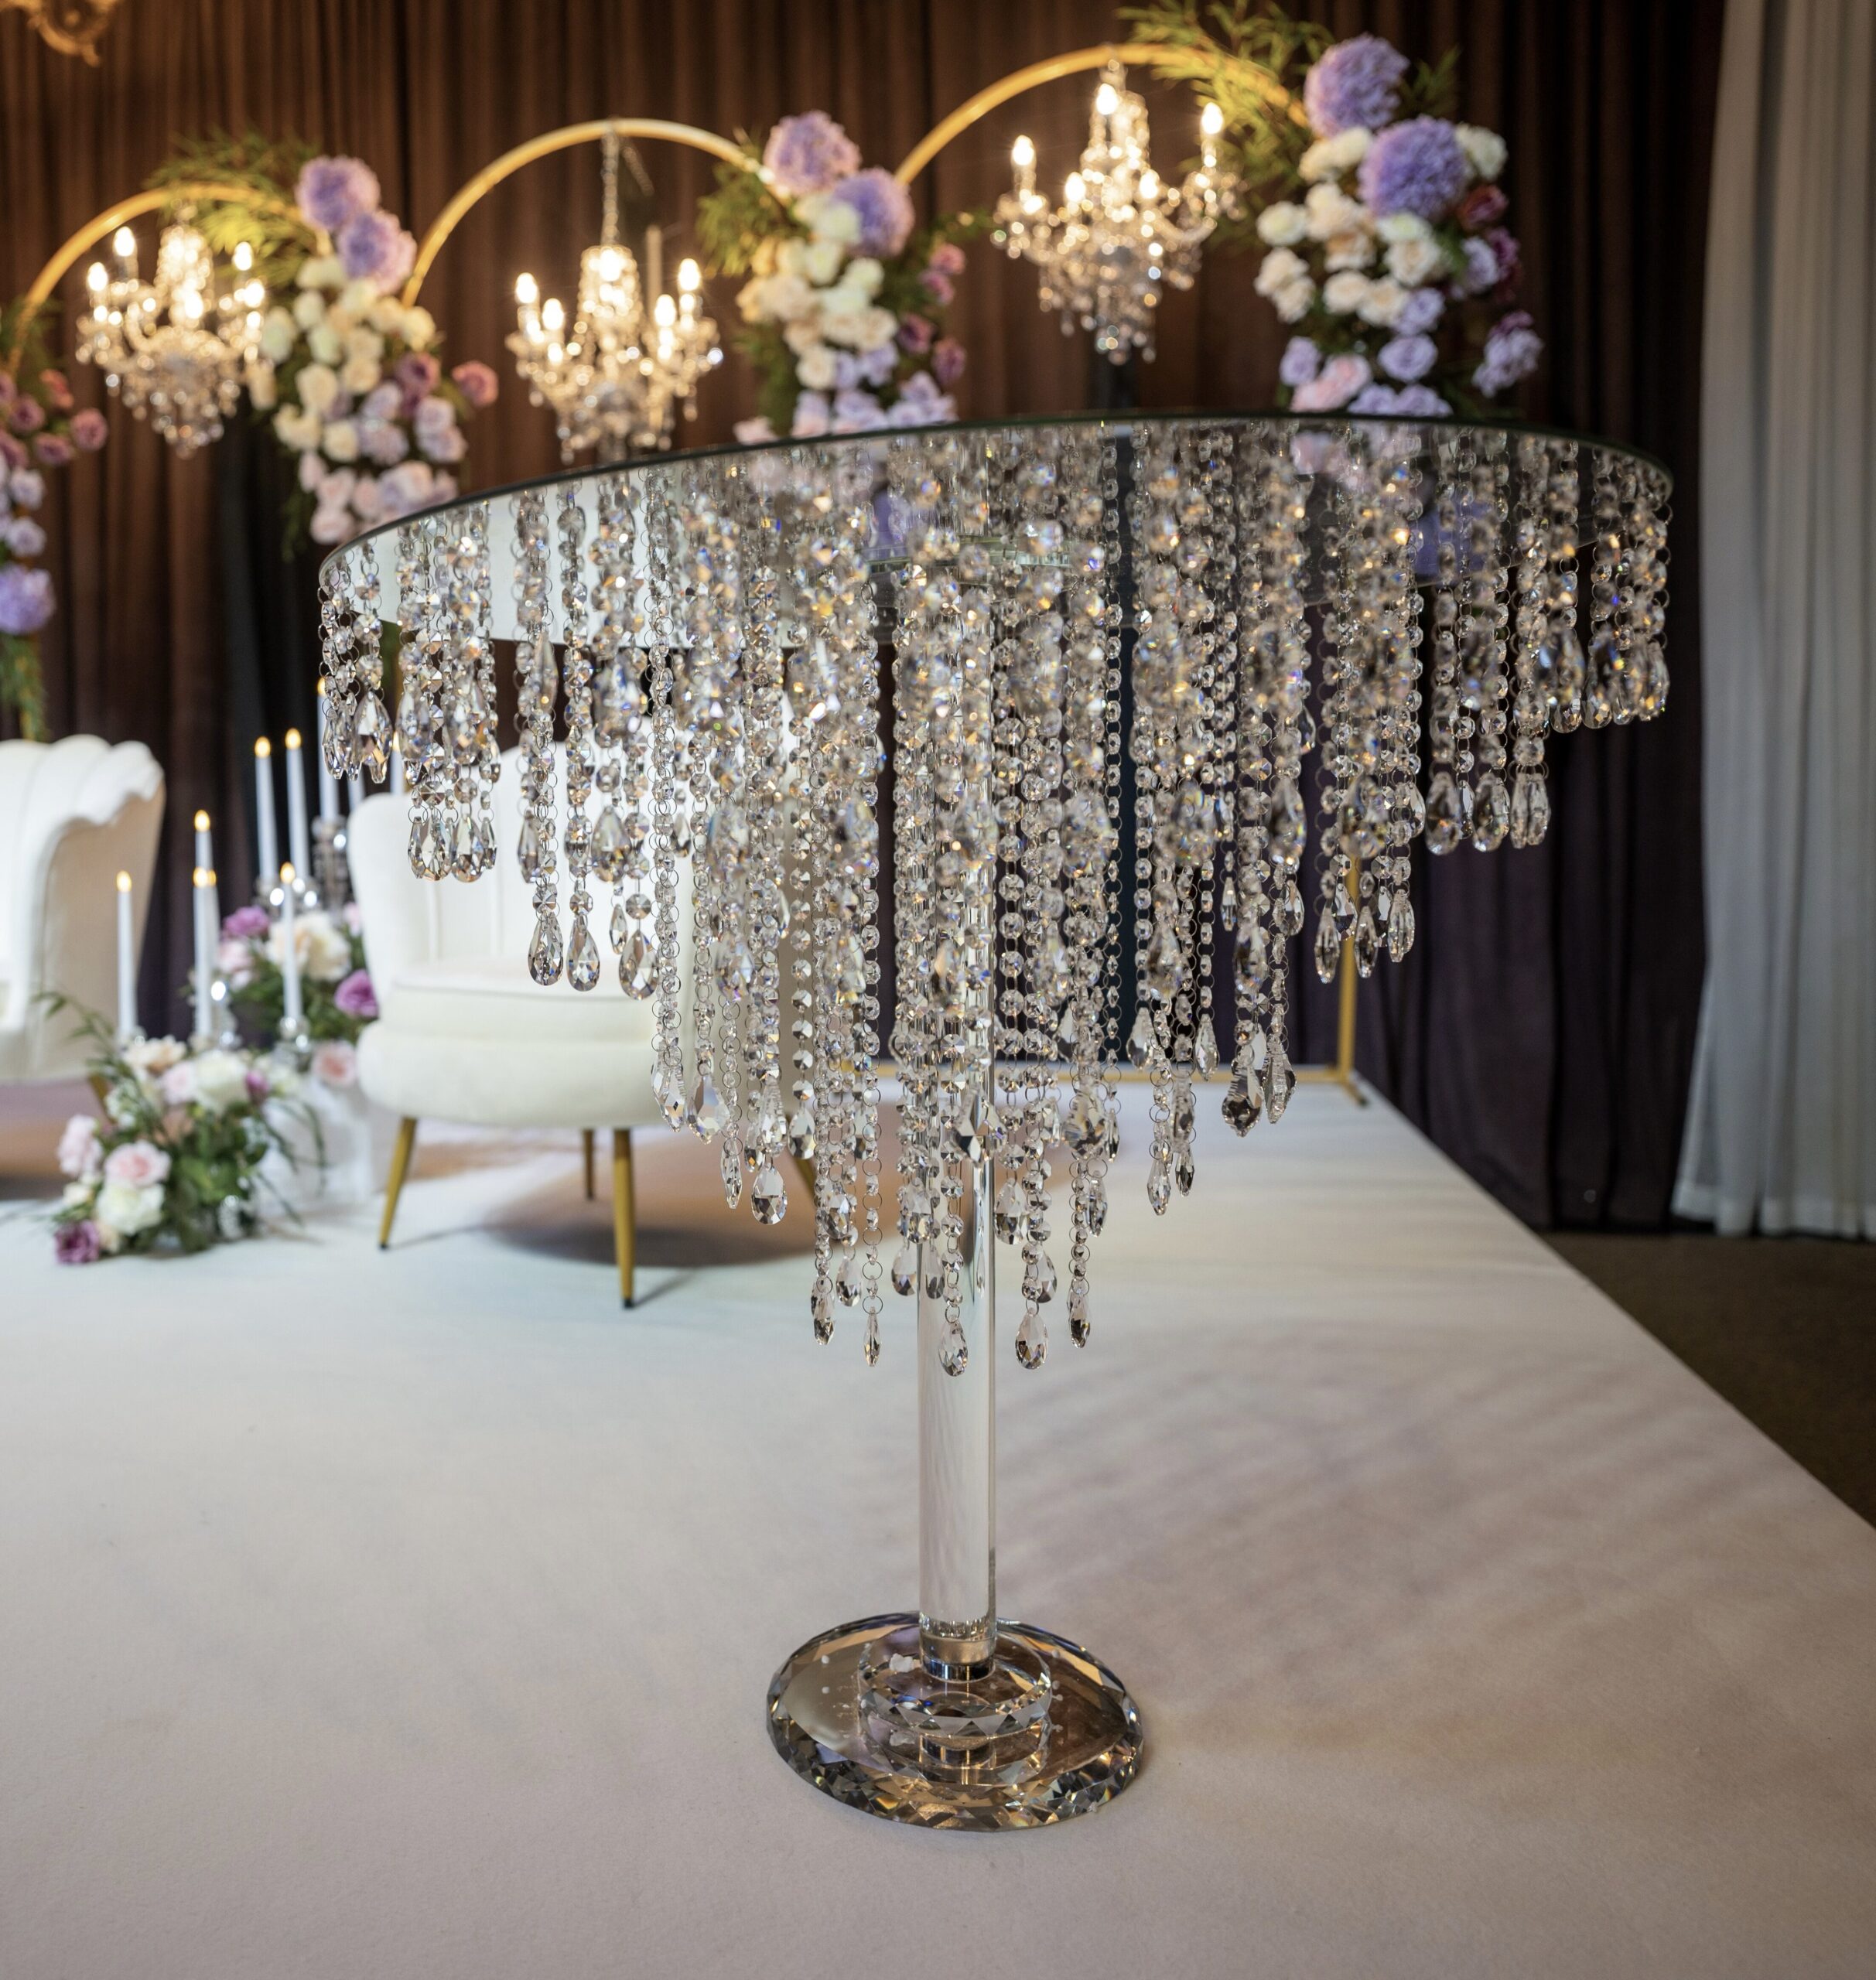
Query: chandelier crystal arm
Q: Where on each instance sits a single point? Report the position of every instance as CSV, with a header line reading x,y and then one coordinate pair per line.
x,y
102,225
494,172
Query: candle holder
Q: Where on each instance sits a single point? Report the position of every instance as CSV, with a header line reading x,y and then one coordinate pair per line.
x,y
331,875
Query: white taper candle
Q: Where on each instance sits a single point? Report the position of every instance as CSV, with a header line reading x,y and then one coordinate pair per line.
x,y
266,830
207,926
205,846
291,1013
298,839
329,784
127,963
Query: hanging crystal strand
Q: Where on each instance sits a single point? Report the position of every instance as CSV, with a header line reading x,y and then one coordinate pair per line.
x,y
1350,802
537,852
614,685
1162,684
1292,736
1398,659
667,495
467,736
1484,685
1217,898
341,648
582,952
418,713
1089,840
1545,533
1448,723
1639,689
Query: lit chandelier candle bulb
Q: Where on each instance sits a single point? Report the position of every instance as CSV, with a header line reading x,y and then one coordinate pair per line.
x,y
292,1013
1210,128
528,307
266,825
553,321
123,245
299,840
1023,169
127,963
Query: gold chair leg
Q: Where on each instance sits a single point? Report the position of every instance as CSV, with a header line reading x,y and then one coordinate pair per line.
x,y
586,1138
625,1232
394,1182
805,1164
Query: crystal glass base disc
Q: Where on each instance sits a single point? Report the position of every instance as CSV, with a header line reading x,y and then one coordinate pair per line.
x,y
1046,1733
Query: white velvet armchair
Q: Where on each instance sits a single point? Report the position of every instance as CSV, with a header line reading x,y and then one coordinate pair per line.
x,y
465,1033
74,814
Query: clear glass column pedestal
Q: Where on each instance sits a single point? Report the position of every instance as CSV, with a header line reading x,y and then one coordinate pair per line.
x,y
952,1718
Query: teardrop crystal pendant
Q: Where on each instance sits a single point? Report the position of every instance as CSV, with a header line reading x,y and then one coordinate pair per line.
x,y
1491,813
1445,819
371,735
1032,1340
1328,947
638,965
1399,927
583,956
1530,808
545,954
768,1198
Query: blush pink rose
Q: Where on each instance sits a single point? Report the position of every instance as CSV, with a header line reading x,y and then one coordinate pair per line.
x,y
136,1165
1334,385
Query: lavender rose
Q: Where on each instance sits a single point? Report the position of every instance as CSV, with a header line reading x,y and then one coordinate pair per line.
x,y
89,430
333,192
53,450
1408,357
1511,350
947,361
27,416
355,997
78,1243
808,154
476,383
1416,167
416,373
245,924
372,247
1300,362
26,599
884,207
1356,84
914,335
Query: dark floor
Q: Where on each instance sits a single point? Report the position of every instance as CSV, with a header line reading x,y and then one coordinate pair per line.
x,y
1784,1328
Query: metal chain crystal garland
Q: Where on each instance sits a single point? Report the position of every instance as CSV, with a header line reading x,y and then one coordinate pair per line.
x,y
724,620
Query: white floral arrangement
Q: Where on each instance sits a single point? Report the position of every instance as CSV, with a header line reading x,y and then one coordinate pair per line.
x,y
349,371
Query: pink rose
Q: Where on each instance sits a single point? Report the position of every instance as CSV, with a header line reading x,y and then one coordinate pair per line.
x,y
136,1166
914,335
335,1063
53,450
476,383
1480,207
947,361
57,389
1334,385
90,430
947,258
937,284
78,1243
27,416
78,1153
11,450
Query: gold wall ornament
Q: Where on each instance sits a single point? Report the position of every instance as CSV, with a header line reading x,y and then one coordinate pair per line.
x,y
71,27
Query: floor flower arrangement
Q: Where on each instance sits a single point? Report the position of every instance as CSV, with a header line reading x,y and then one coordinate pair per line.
x,y
175,1162
336,994
843,311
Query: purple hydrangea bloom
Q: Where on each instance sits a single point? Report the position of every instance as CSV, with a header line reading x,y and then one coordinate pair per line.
x,y
331,191
1301,361
355,996
807,154
857,412
1511,350
885,210
25,599
1357,82
1416,167
372,247
77,1244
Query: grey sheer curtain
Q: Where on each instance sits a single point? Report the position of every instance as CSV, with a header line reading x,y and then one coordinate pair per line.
x,y
1782,1131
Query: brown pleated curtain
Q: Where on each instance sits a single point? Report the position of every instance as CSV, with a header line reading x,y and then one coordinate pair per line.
x,y
1542,1030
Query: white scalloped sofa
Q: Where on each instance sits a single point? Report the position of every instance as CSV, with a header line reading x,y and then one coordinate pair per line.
x,y
74,814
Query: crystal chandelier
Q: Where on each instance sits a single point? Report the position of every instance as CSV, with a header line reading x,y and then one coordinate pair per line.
x,y
1120,233
174,350
617,379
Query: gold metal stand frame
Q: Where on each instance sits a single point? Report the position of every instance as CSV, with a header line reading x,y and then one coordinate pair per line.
x,y
1341,1072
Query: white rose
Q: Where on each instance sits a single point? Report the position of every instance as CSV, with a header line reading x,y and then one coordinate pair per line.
x,y
339,321
221,1081
387,315
319,386
279,334
309,309
331,525
788,297
325,950
829,219
357,298
803,334
863,277
1293,300
1328,157
263,393
1331,212
320,272
1344,294
363,342
326,344
1382,302
1413,262
360,374
1283,225
861,329
791,259
1280,268
821,263
419,327
1484,150
297,428
340,441
815,368
1353,250
1403,227
127,1209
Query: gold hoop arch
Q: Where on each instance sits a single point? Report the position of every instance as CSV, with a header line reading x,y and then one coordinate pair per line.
x,y
492,175
1132,55
110,220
